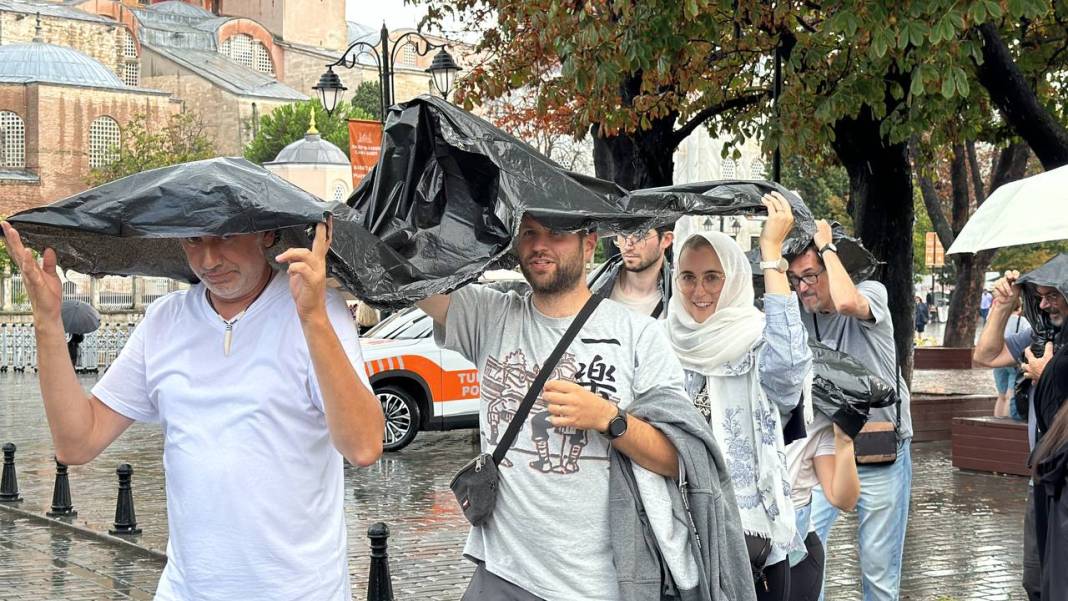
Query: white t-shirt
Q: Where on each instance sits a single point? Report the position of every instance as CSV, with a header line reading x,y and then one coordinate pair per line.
x,y
801,455
642,306
255,488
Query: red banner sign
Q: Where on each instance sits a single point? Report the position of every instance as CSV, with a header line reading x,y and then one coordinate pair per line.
x,y
365,140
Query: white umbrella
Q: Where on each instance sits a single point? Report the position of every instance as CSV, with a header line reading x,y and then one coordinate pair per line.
x,y
1026,211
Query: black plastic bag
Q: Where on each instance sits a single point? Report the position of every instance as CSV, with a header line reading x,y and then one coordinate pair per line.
x,y
449,191
131,226
846,391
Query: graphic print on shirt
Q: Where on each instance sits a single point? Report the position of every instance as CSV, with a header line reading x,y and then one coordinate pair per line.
x,y
556,450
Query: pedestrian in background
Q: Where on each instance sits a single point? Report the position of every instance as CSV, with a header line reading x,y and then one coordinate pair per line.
x,y
984,304
923,314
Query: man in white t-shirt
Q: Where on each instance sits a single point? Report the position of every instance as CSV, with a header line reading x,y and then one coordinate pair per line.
x,y
257,380
549,536
640,278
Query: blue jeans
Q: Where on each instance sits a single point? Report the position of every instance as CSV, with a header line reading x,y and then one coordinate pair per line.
x,y
883,512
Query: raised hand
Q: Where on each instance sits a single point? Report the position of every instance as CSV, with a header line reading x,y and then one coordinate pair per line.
x,y
777,227
1006,290
307,273
41,280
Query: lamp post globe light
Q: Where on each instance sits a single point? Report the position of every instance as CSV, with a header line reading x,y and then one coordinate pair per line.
x,y
736,227
442,69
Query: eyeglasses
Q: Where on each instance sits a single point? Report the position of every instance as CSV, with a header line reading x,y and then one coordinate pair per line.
x,y
711,281
809,280
633,240
1050,299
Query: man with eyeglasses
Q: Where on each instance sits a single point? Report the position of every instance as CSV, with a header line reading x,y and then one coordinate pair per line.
x,y
855,319
639,278
995,349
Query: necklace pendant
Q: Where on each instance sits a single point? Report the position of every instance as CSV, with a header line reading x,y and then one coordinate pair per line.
x,y
227,339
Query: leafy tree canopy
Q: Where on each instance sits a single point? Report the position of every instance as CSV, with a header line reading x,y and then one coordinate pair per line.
x,y
368,97
289,123
180,140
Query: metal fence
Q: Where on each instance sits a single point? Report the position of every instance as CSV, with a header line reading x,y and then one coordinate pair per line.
x,y
18,347
109,293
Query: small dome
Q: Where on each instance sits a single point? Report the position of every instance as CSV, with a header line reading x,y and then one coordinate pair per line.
x,y
312,149
181,9
37,61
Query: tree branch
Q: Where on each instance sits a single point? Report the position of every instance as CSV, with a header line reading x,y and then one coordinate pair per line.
x,y
1017,102
933,203
977,176
711,111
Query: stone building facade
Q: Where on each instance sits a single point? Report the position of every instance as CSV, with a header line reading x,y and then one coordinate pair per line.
x,y
230,62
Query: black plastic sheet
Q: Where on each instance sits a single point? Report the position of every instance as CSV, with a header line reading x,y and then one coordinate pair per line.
x,y
449,191
131,226
846,391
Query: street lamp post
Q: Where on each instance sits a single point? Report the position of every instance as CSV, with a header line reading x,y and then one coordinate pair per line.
x,y
442,70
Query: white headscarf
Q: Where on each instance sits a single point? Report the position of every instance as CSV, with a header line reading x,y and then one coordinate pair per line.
x,y
723,349
735,327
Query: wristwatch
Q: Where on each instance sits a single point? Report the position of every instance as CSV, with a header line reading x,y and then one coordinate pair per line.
x,y
617,426
828,247
781,265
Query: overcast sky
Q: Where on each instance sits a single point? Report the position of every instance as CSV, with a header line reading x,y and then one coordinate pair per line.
x,y
394,12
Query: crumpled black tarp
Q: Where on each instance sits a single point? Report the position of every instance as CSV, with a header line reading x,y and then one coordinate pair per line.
x,y
846,391
450,189
1054,274
130,226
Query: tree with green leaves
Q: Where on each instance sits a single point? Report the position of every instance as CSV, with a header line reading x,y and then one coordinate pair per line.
x,y
289,123
861,80
368,98
180,140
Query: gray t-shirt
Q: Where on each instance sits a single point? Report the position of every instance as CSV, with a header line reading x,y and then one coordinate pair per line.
x,y
549,532
871,343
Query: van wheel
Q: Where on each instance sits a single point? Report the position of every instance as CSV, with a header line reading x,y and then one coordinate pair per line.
x,y
402,417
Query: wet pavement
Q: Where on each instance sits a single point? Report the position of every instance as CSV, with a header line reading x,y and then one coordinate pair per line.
x,y
964,536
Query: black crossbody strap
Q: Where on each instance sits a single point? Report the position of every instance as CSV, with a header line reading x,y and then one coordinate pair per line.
x,y
543,376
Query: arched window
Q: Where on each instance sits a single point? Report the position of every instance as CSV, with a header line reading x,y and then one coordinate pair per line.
x,y
248,53
12,141
262,59
129,49
756,169
339,192
131,73
104,139
727,169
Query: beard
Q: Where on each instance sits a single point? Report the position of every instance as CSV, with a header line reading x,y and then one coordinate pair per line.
x,y
642,265
566,276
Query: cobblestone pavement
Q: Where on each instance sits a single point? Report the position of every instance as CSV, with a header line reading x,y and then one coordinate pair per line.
x,y
964,536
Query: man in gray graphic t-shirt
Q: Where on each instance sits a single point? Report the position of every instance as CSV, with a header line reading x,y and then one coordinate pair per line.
x,y
549,535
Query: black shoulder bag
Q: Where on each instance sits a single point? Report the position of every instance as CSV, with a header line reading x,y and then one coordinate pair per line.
x,y
876,443
475,485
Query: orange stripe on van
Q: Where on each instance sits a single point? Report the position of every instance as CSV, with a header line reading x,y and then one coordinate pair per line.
x,y
444,385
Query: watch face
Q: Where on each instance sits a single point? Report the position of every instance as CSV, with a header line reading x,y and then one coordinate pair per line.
x,y
618,426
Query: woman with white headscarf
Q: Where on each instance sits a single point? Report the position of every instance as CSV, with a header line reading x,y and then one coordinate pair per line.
x,y
744,370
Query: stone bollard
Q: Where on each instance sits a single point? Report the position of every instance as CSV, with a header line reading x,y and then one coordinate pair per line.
x,y
9,483
379,584
125,519
61,503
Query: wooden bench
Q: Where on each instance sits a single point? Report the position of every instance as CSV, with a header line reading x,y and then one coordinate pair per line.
x,y
990,444
942,357
933,413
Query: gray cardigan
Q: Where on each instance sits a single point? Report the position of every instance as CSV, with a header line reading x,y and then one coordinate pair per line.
x,y
716,535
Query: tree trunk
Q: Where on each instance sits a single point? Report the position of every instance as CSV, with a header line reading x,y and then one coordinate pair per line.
x,y
964,300
1017,102
642,159
880,189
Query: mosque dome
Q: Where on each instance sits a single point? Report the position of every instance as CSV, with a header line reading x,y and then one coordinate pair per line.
x,y
48,63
